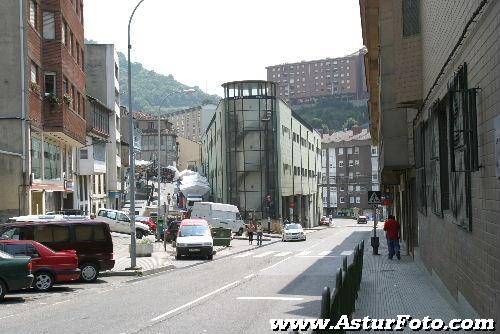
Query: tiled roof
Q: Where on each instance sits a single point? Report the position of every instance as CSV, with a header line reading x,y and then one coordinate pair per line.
x,y
345,136
142,116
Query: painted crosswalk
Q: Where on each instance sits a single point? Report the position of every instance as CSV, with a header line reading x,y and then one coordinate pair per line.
x,y
303,254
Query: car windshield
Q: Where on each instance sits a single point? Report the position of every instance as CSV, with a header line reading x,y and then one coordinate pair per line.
x,y
293,227
193,231
5,255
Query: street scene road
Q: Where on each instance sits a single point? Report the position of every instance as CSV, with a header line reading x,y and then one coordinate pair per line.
x,y
239,291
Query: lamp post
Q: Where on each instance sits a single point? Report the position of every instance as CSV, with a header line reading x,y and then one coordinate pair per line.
x,y
133,264
187,91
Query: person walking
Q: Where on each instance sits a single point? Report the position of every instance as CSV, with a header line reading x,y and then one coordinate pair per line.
x,y
250,231
169,199
259,234
392,228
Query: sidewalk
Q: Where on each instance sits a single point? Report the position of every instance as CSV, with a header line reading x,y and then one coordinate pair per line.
x,y
390,288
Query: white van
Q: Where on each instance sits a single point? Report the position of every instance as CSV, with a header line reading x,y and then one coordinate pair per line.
x,y
119,221
219,215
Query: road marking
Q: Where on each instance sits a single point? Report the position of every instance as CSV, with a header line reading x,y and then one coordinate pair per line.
x,y
347,253
324,253
264,254
245,254
249,276
274,265
7,316
194,301
282,254
303,253
61,302
319,256
271,298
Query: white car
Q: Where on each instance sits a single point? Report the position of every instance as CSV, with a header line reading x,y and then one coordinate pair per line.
x,y
194,239
119,221
293,232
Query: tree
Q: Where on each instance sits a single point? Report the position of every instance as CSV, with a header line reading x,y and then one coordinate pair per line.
x,y
349,123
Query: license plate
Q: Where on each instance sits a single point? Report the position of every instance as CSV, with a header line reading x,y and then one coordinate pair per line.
x,y
193,250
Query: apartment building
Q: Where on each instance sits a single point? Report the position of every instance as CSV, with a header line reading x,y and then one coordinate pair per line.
x,y
148,127
189,154
349,169
300,82
42,104
102,68
262,157
432,69
187,123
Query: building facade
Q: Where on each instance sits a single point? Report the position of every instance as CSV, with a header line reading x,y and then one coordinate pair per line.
x,y
42,105
102,68
433,78
189,154
299,82
349,169
260,156
187,123
148,127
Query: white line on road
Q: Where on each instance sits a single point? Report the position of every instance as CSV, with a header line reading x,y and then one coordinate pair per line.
x,y
347,253
324,253
194,301
7,316
303,253
274,265
61,302
245,254
249,276
270,298
264,254
282,254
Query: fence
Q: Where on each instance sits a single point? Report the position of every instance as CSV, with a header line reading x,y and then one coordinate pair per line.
x,y
341,300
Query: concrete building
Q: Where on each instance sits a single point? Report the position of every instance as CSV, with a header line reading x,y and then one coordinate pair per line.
x,y
92,161
187,123
42,104
148,127
259,155
102,69
342,77
433,74
189,154
349,169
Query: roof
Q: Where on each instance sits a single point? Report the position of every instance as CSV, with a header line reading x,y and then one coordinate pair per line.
x,y
142,116
55,222
345,136
219,206
194,222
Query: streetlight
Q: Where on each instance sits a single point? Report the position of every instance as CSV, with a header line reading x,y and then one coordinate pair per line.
x,y
133,264
186,91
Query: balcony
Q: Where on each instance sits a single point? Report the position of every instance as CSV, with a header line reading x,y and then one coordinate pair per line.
x,y
62,122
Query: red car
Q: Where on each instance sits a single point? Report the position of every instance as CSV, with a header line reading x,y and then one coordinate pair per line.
x,y
48,266
148,221
324,221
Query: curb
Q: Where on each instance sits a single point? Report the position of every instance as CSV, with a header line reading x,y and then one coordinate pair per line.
x,y
139,272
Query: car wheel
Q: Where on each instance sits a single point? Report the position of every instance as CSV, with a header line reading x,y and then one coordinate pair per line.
x,y
177,257
139,234
43,281
240,232
3,289
89,272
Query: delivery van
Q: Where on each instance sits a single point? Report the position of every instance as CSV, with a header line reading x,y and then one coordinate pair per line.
x,y
219,215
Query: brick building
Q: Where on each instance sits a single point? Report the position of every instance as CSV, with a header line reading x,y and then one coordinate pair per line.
x,y
342,77
42,95
349,169
433,74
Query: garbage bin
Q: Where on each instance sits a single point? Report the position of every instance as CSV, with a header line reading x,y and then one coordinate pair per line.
x,y
161,226
221,236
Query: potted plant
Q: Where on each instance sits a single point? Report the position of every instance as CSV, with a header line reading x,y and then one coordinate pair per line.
x,y
35,87
52,99
67,99
144,247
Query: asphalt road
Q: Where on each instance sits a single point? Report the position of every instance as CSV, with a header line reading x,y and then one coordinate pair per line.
x,y
237,292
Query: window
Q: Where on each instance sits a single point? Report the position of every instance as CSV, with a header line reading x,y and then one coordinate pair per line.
x,y
71,40
60,233
351,163
350,188
36,157
77,50
341,150
49,27
349,150
33,14
356,162
356,149
374,151
411,17
341,163
84,233
358,200
358,188
64,28
52,161
351,175
50,83
34,73
15,249
65,86
352,200
342,188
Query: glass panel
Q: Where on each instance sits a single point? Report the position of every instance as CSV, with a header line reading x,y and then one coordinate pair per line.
x,y
43,234
83,232
99,234
60,233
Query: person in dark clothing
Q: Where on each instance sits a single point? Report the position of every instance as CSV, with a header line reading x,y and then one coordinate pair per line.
x,y
391,228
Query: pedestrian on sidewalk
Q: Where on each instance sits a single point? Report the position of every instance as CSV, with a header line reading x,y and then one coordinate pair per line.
x,y
250,231
169,199
392,228
259,234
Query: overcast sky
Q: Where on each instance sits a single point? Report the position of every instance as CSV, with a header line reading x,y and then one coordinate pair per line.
x,y
209,42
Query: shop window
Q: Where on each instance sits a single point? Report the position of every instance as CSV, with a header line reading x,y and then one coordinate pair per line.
x,y
36,158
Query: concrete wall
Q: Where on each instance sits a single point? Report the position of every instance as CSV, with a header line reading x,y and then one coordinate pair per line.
x,y
189,153
466,263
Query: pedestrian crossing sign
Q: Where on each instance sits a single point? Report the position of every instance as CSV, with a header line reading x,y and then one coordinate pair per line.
x,y
374,197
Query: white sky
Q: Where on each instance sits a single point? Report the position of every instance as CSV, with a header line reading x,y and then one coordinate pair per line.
x,y
209,42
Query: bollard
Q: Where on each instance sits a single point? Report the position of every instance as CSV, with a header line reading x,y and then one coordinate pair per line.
x,y
325,303
335,306
344,263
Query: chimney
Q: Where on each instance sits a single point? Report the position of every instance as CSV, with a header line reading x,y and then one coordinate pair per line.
x,y
356,130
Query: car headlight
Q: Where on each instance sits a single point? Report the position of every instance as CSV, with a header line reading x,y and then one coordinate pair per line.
x,y
207,244
181,245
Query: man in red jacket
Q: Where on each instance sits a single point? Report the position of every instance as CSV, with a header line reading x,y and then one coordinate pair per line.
x,y
391,228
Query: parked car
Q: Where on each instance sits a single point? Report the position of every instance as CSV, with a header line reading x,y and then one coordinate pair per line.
x,y
119,221
67,212
293,232
219,215
48,267
362,220
194,238
171,232
324,221
89,238
15,273
148,221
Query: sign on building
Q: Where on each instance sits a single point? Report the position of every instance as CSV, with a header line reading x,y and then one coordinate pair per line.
x,y
497,145
374,197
